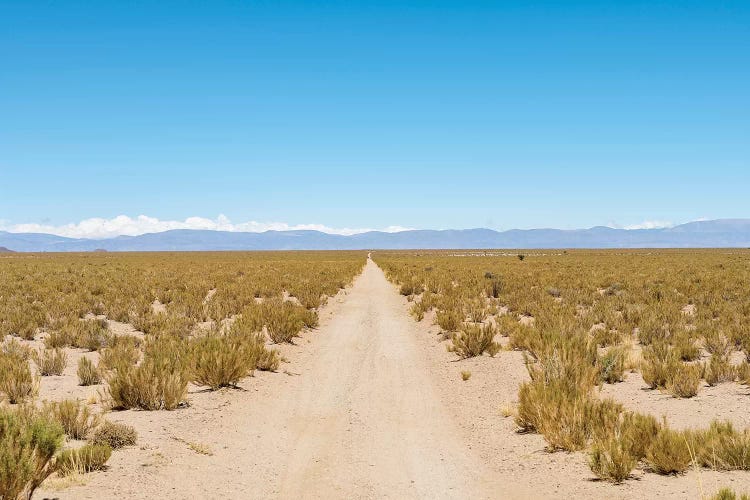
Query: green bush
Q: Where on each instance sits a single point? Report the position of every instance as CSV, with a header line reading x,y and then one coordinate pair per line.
x,y
28,443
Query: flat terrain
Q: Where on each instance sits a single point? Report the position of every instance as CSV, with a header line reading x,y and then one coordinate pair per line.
x,y
371,405
358,416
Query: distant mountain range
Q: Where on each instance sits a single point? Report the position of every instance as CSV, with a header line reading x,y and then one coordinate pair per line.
x,y
703,234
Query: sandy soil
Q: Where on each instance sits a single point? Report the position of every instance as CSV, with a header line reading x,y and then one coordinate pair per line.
x,y
371,405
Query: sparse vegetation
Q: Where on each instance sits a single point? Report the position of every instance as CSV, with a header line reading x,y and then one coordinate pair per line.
x,y
88,458
88,373
114,435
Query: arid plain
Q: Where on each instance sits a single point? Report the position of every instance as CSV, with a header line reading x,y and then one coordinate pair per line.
x,y
410,374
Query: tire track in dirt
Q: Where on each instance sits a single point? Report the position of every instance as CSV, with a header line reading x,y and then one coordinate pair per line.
x,y
368,422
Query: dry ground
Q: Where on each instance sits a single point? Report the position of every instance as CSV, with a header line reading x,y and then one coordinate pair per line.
x,y
372,406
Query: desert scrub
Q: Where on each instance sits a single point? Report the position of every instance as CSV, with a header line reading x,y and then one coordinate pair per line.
x,y
721,447
670,452
122,354
74,415
222,360
28,443
16,380
474,340
284,320
611,460
683,381
465,375
158,383
50,361
449,320
729,494
115,435
659,361
88,373
14,348
612,365
88,458
719,369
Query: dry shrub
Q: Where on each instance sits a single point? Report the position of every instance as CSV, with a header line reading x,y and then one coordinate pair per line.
x,y
724,448
611,460
449,320
28,443
15,349
718,370
283,319
115,435
683,381
222,360
556,403
612,365
658,362
686,348
88,373
728,494
74,415
670,452
16,380
474,340
121,354
50,361
158,383
87,458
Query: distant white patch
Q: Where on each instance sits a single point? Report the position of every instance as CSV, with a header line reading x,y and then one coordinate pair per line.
x,y
647,224
122,225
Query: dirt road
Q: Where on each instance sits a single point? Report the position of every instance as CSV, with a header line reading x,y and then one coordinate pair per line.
x,y
367,421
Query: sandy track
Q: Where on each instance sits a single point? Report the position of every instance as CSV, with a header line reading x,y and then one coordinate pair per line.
x,y
368,422
359,417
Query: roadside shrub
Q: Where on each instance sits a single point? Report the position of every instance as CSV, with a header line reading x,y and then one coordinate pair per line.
x,y
50,361
222,360
268,360
88,373
28,443
282,320
87,458
115,435
158,383
449,320
474,340
74,415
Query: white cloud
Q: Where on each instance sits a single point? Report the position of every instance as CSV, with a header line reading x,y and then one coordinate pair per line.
x,y
123,225
647,224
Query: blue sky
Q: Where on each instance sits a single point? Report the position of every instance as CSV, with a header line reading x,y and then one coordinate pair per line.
x,y
373,114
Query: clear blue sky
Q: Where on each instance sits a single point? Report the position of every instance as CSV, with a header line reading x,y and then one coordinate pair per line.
x,y
369,114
